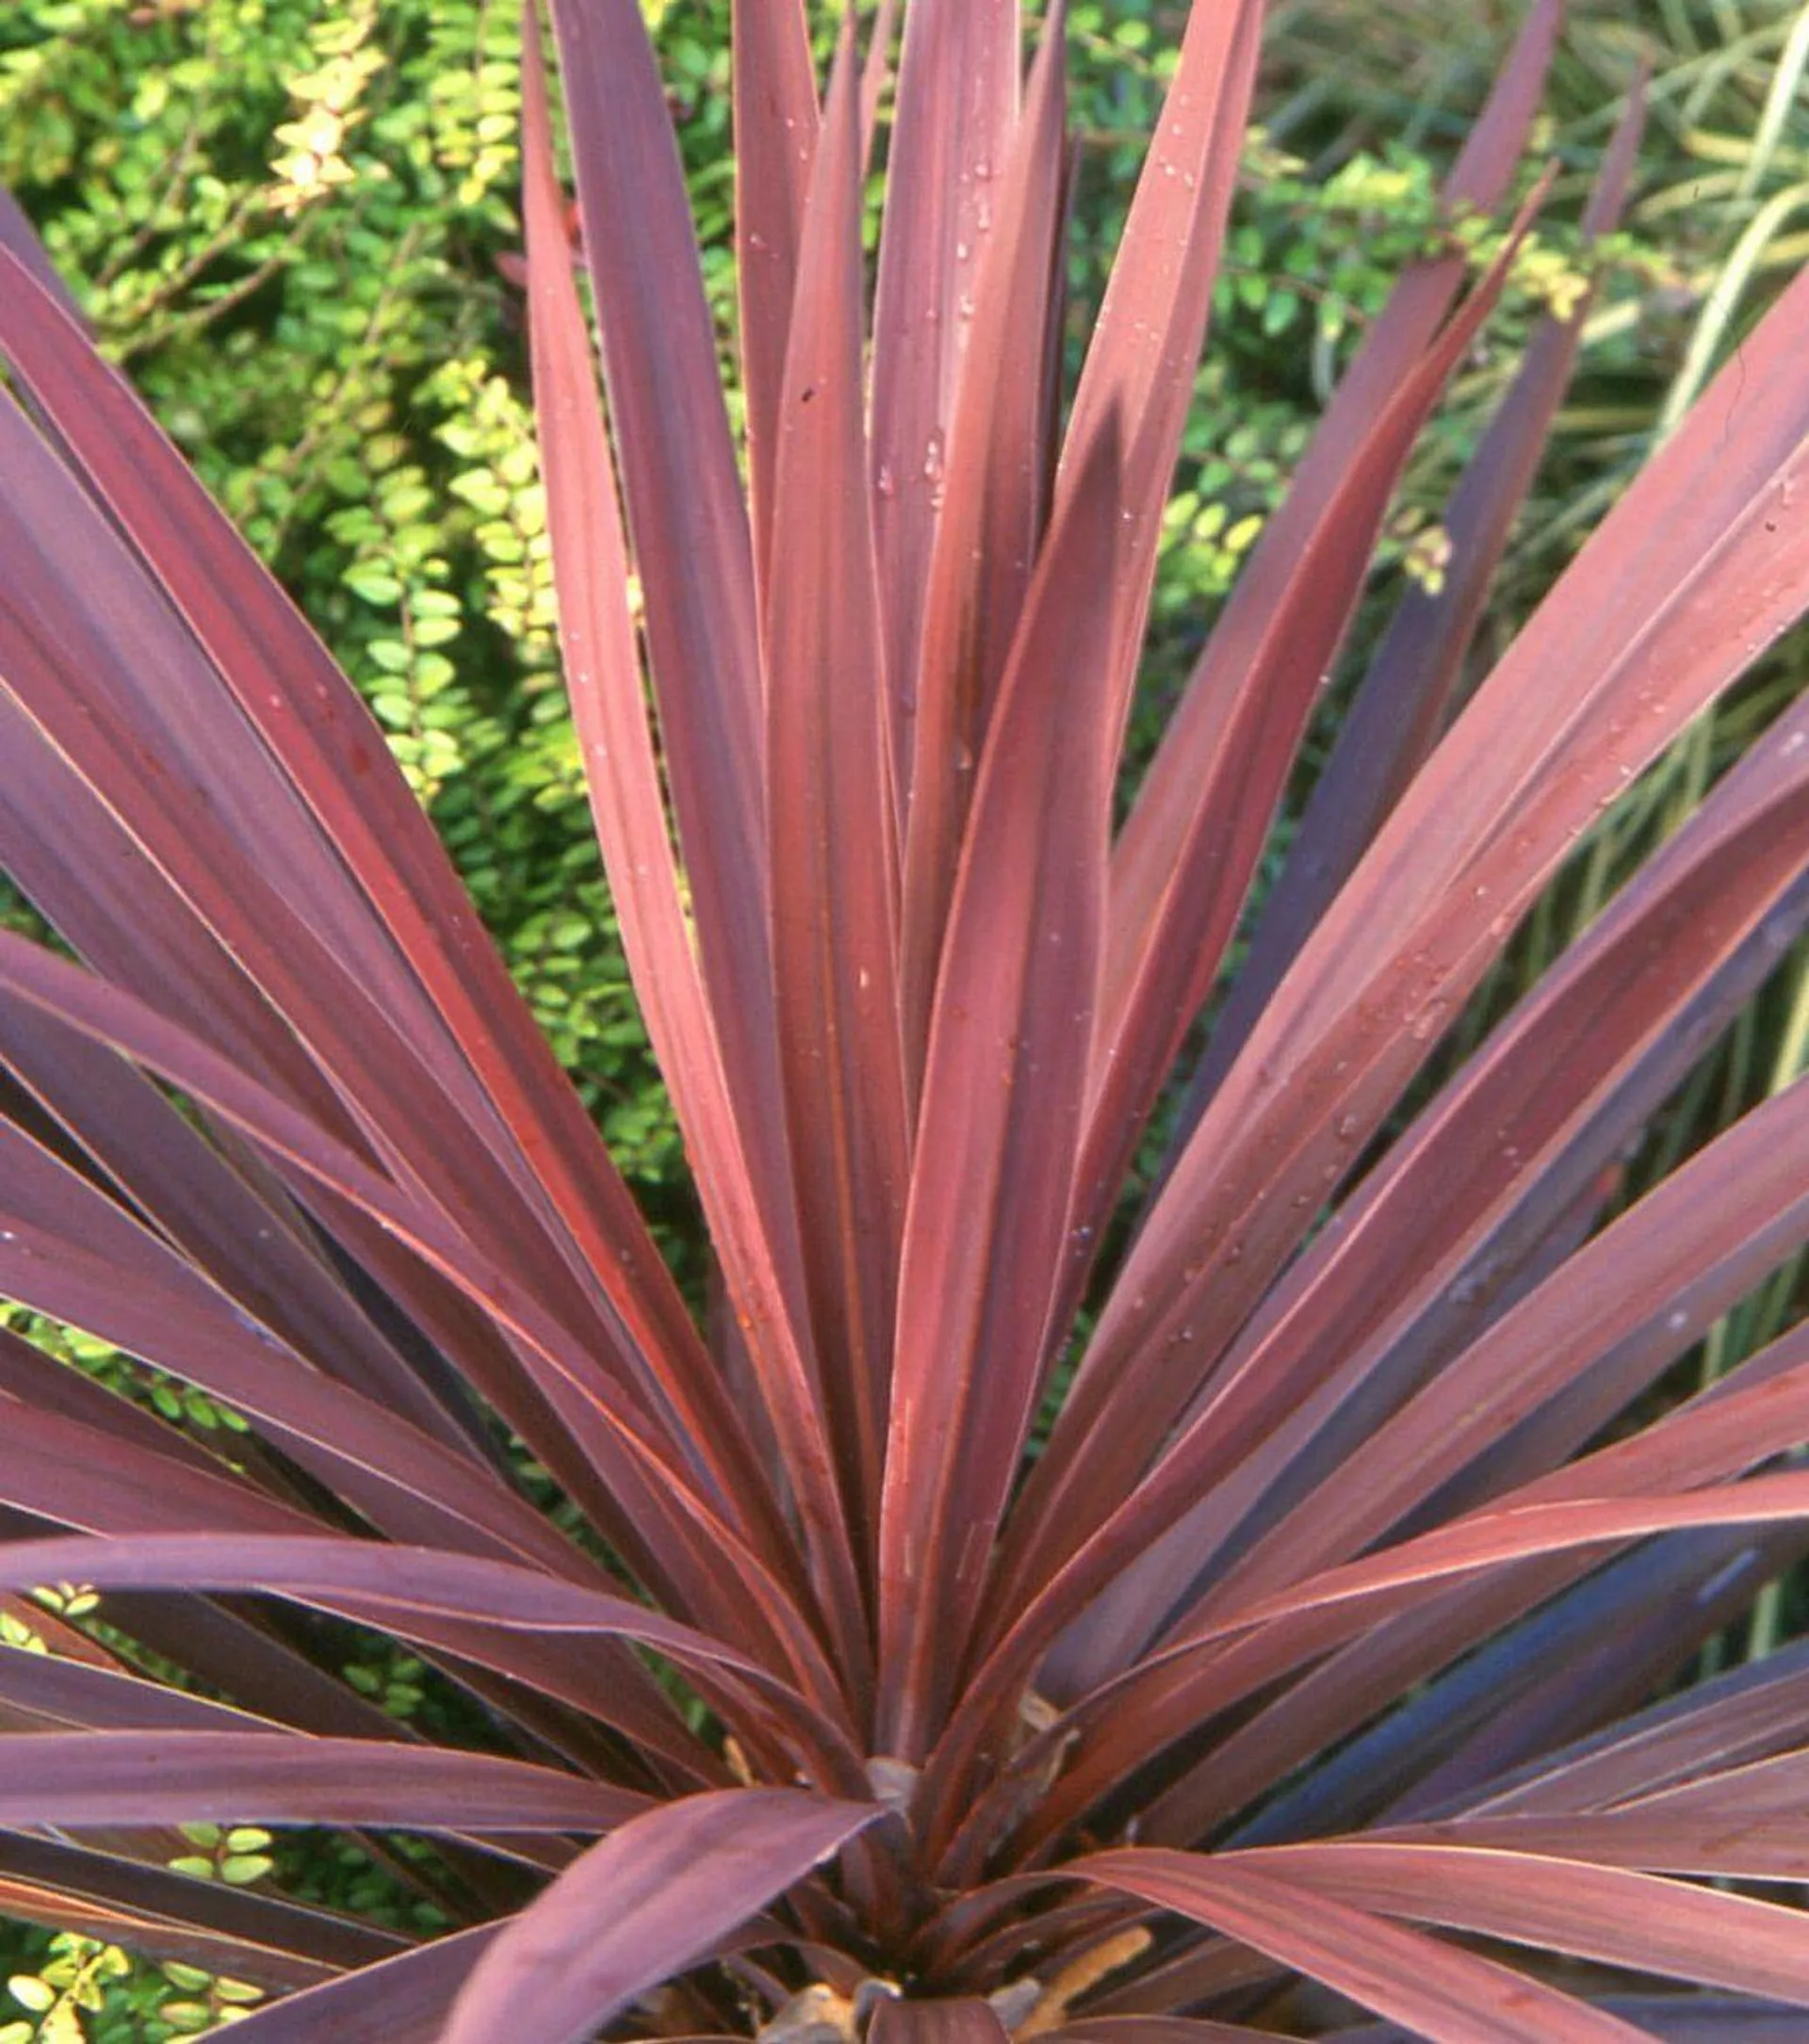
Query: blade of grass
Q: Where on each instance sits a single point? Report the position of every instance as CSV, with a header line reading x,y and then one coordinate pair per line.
x,y
1439,1990
988,534
833,908
83,1778
777,121
991,1178
401,1999
952,123
649,1902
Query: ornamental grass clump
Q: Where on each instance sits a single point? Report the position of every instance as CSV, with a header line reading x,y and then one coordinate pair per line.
x,y
987,1613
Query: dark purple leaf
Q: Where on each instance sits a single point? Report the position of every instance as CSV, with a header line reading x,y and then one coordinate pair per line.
x,y
655,1898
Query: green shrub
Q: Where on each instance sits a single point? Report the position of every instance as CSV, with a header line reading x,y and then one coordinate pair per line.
x,y
286,220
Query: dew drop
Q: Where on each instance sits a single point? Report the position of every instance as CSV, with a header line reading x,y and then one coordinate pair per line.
x,y
1422,1024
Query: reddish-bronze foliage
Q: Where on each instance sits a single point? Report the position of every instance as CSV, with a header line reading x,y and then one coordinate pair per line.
x,y
1319,1626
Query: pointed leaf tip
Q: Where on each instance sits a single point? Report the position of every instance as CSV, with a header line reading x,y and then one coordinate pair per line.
x,y
654,1898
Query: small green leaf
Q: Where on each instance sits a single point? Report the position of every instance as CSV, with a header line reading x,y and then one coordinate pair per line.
x,y
61,2026
482,491
374,584
1243,534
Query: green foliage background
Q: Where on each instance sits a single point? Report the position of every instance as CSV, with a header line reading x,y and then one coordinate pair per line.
x,y
290,220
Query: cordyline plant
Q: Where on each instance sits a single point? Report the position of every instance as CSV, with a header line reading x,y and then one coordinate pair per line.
x,y
895,1661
